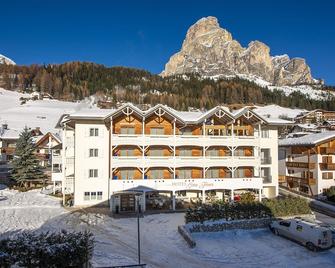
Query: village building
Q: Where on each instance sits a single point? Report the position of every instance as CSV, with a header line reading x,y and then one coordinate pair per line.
x,y
169,157
307,164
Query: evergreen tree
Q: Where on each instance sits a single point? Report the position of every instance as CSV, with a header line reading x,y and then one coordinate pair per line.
x,y
26,166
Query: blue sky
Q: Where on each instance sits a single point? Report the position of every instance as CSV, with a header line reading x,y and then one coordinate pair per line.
x,y
144,34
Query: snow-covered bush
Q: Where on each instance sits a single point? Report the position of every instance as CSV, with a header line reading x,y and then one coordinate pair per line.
x,y
63,249
248,210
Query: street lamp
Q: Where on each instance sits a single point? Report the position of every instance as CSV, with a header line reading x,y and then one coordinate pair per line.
x,y
137,196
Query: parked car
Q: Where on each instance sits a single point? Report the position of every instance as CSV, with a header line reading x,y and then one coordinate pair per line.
x,y
311,235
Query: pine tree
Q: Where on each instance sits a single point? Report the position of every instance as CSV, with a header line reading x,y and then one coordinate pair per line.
x,y
25,164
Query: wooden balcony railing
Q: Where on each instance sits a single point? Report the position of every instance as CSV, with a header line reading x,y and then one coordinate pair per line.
x,y
281,178
327,166
309,181
325,150
8,150
300,165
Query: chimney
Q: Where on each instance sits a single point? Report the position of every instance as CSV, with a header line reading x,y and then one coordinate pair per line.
x,y
4,126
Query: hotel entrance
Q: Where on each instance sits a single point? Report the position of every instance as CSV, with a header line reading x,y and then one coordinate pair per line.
x,y
127,203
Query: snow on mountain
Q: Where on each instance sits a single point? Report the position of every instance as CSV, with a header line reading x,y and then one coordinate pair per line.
x,y
5,60
39,113
312,92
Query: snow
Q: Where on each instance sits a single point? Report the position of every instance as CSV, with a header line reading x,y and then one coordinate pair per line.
x,y
39,113
255,248
5,60
310,139
276,111
161,244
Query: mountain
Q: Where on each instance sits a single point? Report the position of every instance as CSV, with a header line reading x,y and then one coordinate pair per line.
x,y
5,60
210,51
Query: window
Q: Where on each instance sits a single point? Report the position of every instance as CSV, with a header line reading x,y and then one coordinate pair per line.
x,y
185,152
290,171
285,223
299,228
93,195
327,175
127,174
156,131
265,133
86,196
326,159
212,173
156,152
156,174
186,131
239,152
213,152
185,174
127,152
127,130
93,173
94,132
93,153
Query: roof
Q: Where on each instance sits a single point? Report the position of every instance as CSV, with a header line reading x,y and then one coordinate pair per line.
x,y
308,140
182,116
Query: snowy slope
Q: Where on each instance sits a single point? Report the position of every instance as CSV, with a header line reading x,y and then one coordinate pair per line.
x,y
311,92
40,113
276,111
5,60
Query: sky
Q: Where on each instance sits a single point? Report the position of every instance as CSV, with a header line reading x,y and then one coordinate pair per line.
x,y
144,34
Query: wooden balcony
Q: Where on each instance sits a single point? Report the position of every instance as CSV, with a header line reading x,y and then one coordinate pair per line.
x,y
327,166
281,178
300,165
309,181
8,150
326,150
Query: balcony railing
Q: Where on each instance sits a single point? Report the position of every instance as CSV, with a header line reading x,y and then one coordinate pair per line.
x,y
326,150
327,166
300,165
309,181
281,178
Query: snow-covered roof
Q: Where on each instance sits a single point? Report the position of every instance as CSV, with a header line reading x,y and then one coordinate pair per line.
x,y
182,116
307,126
308,140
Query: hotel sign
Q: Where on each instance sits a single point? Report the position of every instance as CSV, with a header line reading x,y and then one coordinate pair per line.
x,y
192,185
300,165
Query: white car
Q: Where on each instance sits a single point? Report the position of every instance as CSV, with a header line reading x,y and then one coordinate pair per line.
x,y
311,235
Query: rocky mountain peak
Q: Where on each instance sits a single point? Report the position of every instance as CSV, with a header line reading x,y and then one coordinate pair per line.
x,y
5,60
210,50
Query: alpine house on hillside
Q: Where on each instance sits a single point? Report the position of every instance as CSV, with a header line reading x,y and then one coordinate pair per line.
x,y
169,157
307,164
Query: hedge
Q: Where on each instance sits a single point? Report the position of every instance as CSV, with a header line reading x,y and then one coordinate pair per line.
x,y
63,249
251,210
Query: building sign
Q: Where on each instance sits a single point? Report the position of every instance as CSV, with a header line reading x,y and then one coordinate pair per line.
x,y
297,164
192,185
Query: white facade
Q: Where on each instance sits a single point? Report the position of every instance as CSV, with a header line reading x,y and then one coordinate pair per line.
x,y
312,168
88,163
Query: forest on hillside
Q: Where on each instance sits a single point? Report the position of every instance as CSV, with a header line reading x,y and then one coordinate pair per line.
x,y
77,80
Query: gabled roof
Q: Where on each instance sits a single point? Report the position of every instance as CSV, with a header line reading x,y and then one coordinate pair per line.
x,y
249,114
47,135
308,140
181,116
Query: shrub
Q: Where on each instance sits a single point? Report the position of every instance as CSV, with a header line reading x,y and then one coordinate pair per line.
x,y
63,249
248,210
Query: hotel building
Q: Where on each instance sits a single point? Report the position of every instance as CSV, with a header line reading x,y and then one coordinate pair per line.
x,y
307,164
168,156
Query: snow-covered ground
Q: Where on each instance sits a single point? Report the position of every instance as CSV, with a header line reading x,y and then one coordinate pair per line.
x,y
39,113
162,246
